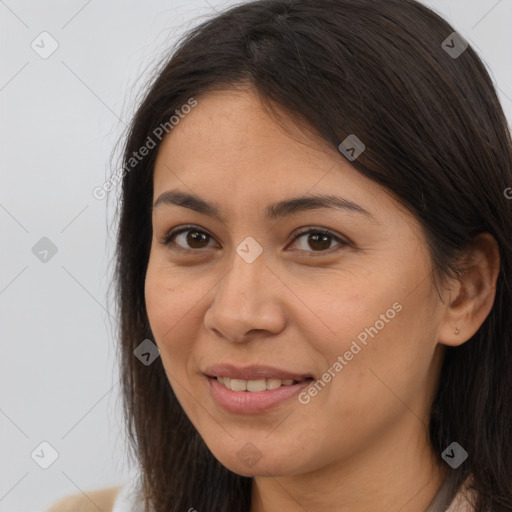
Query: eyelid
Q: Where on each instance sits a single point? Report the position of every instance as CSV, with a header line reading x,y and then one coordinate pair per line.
x,y
343,241
166,240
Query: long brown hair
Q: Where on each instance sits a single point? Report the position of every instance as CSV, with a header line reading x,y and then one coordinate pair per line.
x,y
436,137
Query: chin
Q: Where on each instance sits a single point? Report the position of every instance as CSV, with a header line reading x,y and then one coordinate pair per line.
x,y
250,461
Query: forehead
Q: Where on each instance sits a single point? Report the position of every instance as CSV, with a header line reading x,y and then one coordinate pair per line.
x,y
230,125
230,149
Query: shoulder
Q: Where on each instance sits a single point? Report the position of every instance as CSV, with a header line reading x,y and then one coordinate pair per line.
x,y
91,501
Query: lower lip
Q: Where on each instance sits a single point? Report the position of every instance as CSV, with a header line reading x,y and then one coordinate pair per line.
x,y
252,402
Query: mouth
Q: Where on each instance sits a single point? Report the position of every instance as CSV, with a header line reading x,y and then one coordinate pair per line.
x,y
256,385
254,396
254,373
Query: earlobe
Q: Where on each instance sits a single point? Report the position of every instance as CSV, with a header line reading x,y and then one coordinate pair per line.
x,y
475,293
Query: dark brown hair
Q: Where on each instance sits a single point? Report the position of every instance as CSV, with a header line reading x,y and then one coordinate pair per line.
x,y
436,138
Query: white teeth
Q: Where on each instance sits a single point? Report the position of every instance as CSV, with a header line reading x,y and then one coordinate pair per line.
x,y
256,385
253,385
238,385
273,383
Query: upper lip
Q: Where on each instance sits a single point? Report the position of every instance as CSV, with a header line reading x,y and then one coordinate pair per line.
x,y
253,372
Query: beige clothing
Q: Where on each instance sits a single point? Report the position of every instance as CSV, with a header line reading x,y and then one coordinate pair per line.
x,y
92,501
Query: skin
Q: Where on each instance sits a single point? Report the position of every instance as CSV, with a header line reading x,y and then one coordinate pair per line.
x,y
361,443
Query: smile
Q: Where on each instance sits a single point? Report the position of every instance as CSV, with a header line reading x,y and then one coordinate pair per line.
x,y
239,396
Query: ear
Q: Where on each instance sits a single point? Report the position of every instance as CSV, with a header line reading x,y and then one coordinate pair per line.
x,y
472,296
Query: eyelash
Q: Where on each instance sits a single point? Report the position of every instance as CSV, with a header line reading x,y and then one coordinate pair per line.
x,y
169,237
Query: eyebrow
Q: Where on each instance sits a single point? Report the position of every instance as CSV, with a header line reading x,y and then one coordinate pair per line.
x,y
274,211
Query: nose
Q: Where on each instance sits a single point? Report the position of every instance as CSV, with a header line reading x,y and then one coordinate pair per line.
x,y
248,302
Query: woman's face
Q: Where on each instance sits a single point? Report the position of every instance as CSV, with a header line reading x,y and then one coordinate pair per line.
x,y
356,311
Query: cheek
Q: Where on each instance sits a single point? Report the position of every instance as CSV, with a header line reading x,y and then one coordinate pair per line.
x,y
344,307
175,308
158,301
167,306
168,296
165,310
365,329
386,361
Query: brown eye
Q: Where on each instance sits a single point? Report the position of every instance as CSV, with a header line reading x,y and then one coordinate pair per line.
x,y
315,240
196,239
318,240
188,238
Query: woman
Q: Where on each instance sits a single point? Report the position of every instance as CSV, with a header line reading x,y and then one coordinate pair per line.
x,y
314,267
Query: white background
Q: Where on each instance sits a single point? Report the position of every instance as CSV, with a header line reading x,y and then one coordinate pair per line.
x,y
59,120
